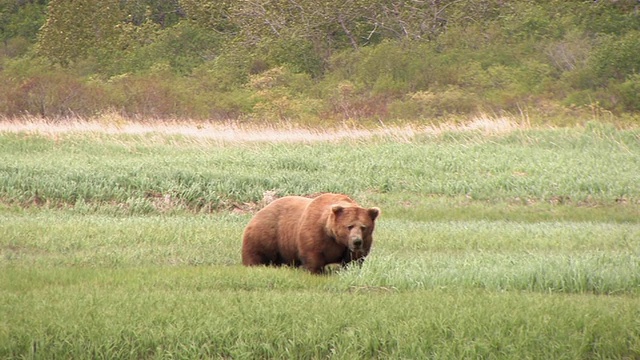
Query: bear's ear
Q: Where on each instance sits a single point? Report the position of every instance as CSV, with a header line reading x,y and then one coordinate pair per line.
x,y
337,209
373,212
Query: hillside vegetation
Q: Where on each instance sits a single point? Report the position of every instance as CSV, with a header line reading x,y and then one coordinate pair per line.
x,y
358,62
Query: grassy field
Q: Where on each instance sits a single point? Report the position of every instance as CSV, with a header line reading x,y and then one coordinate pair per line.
x,y
494,242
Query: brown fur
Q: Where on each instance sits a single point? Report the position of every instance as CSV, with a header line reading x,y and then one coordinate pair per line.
x,y
312,233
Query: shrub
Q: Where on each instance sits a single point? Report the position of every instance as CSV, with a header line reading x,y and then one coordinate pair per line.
x,y
14,47
616,57
297,54
279,95
344,101
227,72
156,94
569,53
386,67
33,87
629,93
185,46
426,104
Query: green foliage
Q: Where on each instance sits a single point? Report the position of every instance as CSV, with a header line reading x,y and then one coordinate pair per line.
x,y
295,53
73,29
107,32
613,17
21,19
628,93
554,58
162,12
19,25
183,47
617,57
214,15
276,95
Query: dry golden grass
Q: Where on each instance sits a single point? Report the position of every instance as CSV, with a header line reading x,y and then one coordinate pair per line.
x,y
234,132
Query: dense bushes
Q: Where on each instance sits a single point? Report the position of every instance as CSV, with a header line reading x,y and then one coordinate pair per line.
x,y
339,62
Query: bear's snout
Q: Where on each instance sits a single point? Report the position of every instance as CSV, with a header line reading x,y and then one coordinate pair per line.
x,y
356,243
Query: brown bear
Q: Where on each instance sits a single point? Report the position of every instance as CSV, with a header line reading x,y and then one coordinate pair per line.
x,y
312,233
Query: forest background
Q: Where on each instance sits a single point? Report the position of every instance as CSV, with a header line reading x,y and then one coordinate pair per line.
x,y
321,63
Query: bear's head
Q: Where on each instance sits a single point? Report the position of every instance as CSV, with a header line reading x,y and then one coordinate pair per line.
x,y
352,226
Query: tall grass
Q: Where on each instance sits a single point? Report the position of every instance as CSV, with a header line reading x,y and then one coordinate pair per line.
x,y
270,313
567,257
492,244
152,172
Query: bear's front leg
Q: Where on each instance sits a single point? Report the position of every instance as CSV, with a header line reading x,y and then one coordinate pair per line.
x,y
314,263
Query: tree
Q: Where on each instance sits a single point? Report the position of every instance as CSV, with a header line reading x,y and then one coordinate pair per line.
x,y
214,15
21,19
81,28
73,28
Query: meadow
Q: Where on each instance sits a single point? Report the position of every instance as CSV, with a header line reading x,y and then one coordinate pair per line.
x,y
495,241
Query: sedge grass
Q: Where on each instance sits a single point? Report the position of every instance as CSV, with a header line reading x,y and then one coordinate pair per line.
x,y
571,257
499,244
221,312
155,172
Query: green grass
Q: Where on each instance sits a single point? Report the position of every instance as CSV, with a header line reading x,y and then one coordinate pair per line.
x,y
571,257
96,261
234,312
147,173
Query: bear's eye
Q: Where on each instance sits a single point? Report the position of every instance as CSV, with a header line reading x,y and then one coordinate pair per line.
x,y
363,228
350,227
